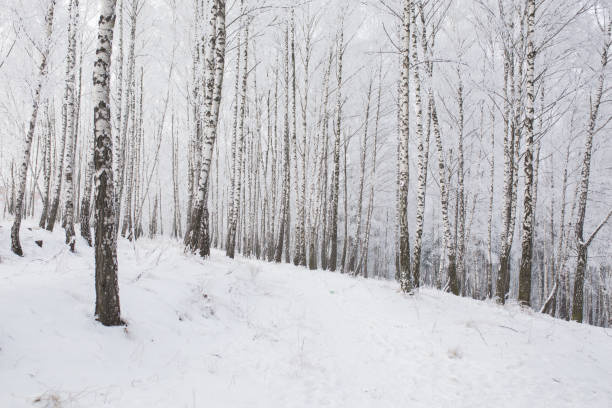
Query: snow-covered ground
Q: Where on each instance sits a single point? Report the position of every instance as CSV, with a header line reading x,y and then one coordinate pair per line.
x,y
244,333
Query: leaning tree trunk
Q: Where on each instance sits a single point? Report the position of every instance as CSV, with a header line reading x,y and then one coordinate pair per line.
x,y
23,168
211,118
213,76
582,246
107,290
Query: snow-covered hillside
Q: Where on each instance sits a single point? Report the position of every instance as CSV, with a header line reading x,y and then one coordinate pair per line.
x,y
243,333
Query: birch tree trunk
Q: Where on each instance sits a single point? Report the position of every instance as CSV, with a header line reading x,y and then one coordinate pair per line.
x,y
461,271
489,289
273,181
128,116
284,212
347,238
444,198
86,202
423,152
524,296
57,189
234,129
503,275
301,242
581,244
403,154
232,230
118,152
324,163
299,256
23,167
336,175
214,84
108,311
362,162
47,168
363,263
70,126
176,223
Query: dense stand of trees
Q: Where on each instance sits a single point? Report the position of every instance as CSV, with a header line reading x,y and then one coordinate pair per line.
x,y
305,153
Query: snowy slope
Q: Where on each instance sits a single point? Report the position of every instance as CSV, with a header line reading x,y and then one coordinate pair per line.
x,y
244,333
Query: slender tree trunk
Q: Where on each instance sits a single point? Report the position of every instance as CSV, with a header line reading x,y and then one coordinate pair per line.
x,y
524,296
460,219
346,240
366,242
324,163
86,204
70,126
582,245
489,290
362,161
118,153
23,168
273,175
284,213
128,118
503,275
336,175
232,230
299,256
47,169
403,155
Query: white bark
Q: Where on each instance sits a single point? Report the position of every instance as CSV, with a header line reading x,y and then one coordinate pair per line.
x,y
23,167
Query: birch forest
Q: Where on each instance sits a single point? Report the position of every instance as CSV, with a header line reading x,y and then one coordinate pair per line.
x,y
450,144
290,200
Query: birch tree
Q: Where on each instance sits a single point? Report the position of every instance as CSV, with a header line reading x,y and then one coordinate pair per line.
x,y
23,167
233,223
422,148
362,163
582,245
86,202
299,256
284,212
71,119
336,174
46,167
529,202
67,120
108,310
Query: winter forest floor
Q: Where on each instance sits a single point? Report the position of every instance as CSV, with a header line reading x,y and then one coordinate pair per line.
x,y
245,333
